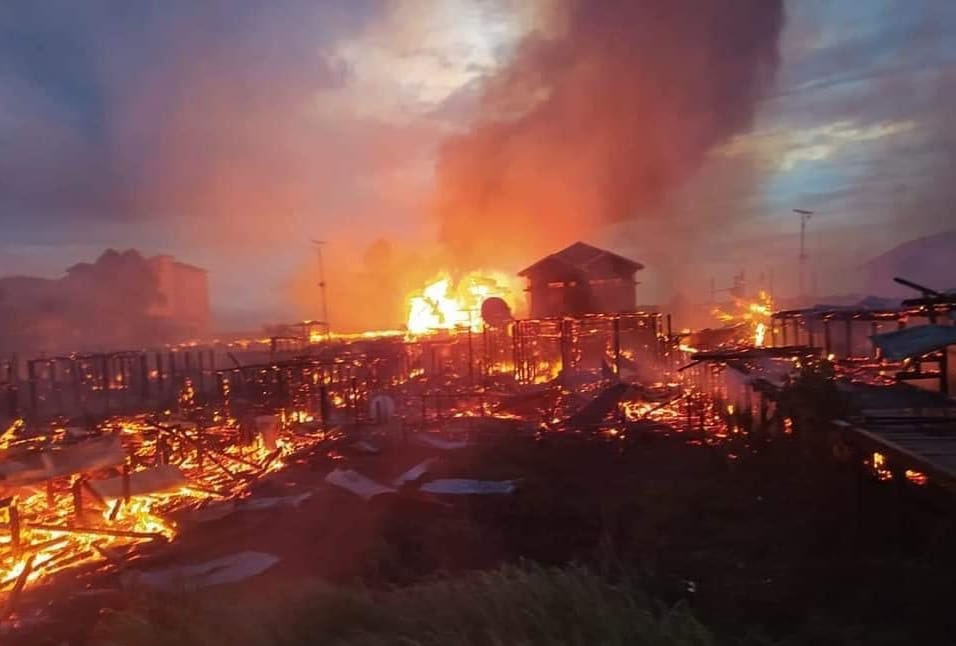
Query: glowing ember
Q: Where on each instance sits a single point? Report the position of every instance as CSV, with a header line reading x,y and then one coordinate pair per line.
x,y
447,305
880,468
67,522
916,477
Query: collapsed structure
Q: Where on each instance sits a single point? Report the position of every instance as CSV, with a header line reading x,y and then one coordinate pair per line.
x,y
109,457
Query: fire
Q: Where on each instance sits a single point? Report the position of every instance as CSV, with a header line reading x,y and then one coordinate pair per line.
x,y
756,315
48,528
446,305
880,467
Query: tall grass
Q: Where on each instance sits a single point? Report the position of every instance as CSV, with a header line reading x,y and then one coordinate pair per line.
x,y
510,606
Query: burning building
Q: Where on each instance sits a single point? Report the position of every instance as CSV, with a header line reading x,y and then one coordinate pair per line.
x,y
581,279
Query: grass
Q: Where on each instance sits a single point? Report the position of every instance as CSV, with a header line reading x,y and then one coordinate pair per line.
x,y
514,606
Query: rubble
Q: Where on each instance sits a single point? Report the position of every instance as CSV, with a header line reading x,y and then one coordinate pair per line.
x,y
37,467
432,441
228,569
353,481
466,487
414,473
158,479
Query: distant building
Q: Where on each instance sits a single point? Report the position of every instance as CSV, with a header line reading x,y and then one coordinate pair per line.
x,y
581,279
185,291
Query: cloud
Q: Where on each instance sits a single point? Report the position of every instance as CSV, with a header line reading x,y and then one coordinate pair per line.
x,y
153,110
784,150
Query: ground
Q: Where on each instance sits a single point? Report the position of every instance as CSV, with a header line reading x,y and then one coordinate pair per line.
x,y
765,541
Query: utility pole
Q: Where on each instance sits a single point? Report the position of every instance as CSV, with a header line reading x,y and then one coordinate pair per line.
x,y
804,218
325,300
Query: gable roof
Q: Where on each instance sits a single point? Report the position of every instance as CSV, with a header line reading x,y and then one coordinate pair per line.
x,y
579,256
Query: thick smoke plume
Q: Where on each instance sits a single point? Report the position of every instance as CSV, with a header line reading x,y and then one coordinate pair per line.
x,y
598,118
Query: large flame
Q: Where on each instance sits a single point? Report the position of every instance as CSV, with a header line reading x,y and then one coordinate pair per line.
x,y
756,314
445,304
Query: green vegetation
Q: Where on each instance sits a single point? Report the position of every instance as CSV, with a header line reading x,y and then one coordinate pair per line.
x,y
528,606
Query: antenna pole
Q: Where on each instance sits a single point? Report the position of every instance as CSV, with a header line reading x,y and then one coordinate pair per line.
x,y
802,258
325,299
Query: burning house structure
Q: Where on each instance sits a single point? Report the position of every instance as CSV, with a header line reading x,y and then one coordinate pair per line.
x,y
581,279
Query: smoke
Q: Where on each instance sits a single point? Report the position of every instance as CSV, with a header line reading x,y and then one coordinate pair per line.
x,y
104,305
601,113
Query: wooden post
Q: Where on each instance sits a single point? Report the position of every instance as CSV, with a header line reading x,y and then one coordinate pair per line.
x,y
187,364
514,350
874,330
485,361
687,399
202,372
944,371
144,375
848,332
565,348
223,383
324,406
160,457
14,513
617,347
160,376
438,409
126,483
105,379
172,370
12,401
471,358
77,490
76,382
55,387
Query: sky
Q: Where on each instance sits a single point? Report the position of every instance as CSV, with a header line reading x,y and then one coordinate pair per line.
x,y
231,133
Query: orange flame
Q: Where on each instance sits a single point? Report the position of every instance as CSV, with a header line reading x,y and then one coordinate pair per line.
x,y
447,305
756,314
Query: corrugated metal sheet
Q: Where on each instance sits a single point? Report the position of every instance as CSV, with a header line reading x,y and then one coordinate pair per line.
x,y
915,341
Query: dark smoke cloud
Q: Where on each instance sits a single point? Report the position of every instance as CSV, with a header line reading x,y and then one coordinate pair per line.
x,y
602,120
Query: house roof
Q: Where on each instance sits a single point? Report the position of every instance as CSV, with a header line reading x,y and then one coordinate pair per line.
x,y
579,256
915,341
